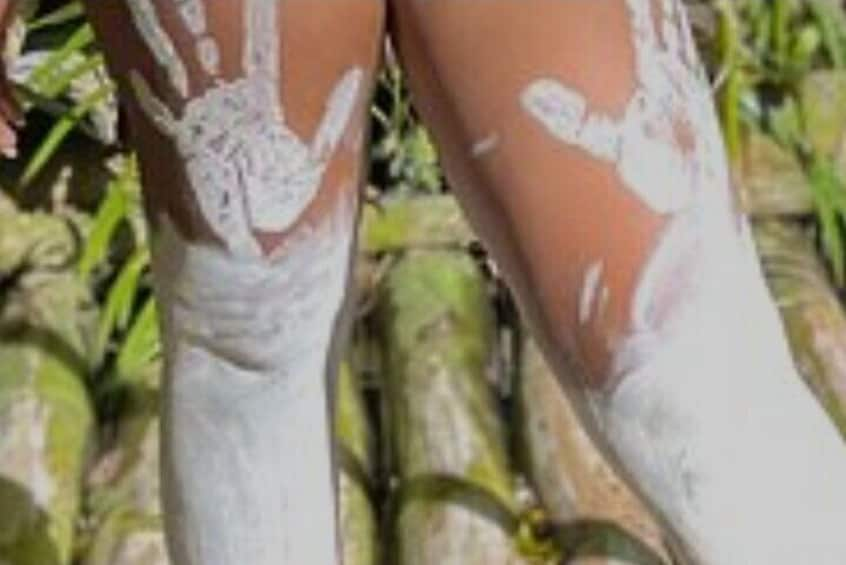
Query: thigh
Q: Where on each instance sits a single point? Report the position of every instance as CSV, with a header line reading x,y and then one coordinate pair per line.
x,y
248,92
581,137
575,133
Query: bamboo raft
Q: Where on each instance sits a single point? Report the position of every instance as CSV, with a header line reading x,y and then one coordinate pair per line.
x,y
437,482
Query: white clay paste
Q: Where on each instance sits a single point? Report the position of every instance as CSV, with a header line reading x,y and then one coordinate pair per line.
x,y
247,471
710,417
643,143
247,348
591,295
248,170
485,146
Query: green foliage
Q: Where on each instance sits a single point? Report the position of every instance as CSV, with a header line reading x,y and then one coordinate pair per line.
x,y
764,53
120,304
68,86
141,345
68,83
68,99
830,200
113,209
403,151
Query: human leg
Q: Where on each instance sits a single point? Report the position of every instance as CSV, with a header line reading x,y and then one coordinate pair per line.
x,y
581,140
249,120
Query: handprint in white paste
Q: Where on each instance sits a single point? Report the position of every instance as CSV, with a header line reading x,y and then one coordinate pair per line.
x,y
666,144
249,171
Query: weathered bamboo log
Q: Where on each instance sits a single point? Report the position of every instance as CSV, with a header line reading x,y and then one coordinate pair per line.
x,y
455,489
124,490
129,538
772,180
574,481
813,316
399,223
359,529
45,414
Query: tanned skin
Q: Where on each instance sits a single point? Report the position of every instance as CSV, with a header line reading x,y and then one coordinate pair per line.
x,y
11,116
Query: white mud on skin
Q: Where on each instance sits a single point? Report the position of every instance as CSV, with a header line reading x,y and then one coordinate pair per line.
x,y
669,99
246,442
710,418
594,294
485,146
248,170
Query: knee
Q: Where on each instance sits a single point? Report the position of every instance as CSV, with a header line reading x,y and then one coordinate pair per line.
x,y
235,321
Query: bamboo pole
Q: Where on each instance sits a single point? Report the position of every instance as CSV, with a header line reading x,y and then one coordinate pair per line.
x,y
397,224
455,497
129,538
359,528
124,487
45,414
772,180
575,482
813,315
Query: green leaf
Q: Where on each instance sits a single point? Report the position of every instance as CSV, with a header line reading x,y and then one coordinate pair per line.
x,y
62,15
141,346
832,24
63,78
111,212
805,45
780,15
827,189
120,301
41,77
60,130
785,123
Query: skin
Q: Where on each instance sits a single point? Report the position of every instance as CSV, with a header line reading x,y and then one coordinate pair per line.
x,y
10,113
685,378
512,186
648,285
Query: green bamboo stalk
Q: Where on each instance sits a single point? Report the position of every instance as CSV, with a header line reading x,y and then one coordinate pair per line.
x,y
455,503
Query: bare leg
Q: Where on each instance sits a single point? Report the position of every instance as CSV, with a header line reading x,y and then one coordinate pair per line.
x,y
249,119
581,139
